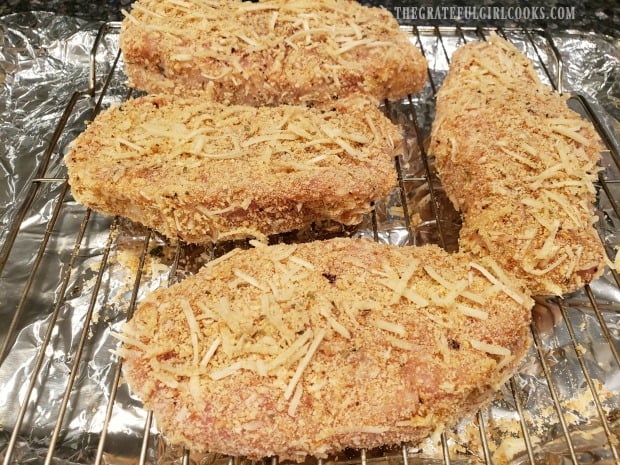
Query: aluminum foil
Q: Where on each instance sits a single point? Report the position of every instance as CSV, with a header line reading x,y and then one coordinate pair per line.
x,y
71,276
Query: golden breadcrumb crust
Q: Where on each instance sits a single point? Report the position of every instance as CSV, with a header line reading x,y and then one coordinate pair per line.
x,y
202,171
292,350
272,52
520,165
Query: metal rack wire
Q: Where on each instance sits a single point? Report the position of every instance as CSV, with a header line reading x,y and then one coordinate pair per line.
x,y
419,196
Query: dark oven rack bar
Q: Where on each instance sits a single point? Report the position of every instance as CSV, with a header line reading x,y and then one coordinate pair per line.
x,y
417,180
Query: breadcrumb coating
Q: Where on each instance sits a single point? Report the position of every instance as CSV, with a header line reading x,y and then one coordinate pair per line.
x,y
520,166
296,350
202,172
271,52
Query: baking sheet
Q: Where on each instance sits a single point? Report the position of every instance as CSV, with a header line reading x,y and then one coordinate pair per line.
x,y
85,265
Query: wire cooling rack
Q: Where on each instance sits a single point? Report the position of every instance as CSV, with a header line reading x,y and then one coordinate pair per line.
x,y
562,407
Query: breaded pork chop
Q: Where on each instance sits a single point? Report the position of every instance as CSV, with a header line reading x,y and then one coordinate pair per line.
x,y
201,171
520,165
296,350
271,52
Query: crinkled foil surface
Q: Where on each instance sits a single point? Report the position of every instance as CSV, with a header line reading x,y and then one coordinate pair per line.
x,y
70,275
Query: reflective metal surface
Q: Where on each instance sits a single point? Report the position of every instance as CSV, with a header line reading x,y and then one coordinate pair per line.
x,y
69,276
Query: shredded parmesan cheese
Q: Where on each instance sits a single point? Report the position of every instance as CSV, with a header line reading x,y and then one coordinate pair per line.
x,y
129,341
302,262
294,403
399,343
224,257
210,352
472,312
285,355
304,363
509,292
492,349
335,324
395,328
194,329
249,279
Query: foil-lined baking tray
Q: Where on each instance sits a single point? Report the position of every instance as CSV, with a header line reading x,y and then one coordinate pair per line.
x,y
69,276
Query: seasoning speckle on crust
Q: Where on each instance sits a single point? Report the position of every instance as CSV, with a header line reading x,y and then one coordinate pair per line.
x,y
278,360
202,171
271,52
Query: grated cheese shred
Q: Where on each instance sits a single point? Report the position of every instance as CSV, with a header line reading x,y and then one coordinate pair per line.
x,y
395,328
210,352
487,274
123,337
249,279
304,363
472,312
288,353
294,403
492,349
194,329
